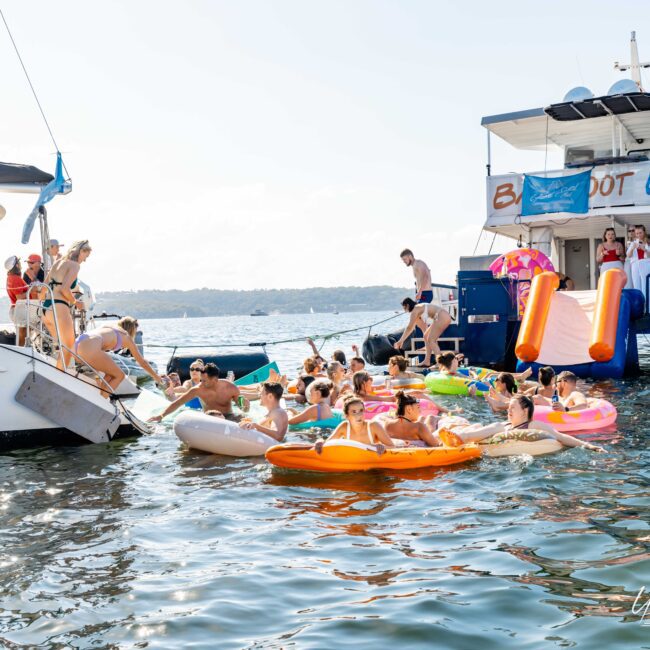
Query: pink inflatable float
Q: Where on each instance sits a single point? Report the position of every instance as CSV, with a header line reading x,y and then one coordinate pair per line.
x,y
599,415
377,408
522,264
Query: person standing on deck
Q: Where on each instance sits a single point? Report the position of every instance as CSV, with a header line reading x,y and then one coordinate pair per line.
x,y
422,274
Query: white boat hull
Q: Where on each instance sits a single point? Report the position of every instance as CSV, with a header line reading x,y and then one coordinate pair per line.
x,y
219,436
21,426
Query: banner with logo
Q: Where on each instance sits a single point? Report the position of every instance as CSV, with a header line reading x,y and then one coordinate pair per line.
x,y
542,195
609,186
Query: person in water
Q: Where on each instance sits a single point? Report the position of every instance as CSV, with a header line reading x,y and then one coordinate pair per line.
x,y
571,399
422,275
502,391
356,365
610,253
62,279
409,424
454,432
337,355
93,347
546,385
356,428
398,369
215,395
432,319
319,400
276,421
363,389
337,375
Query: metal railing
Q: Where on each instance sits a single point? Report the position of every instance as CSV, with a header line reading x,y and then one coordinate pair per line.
x,y
44,336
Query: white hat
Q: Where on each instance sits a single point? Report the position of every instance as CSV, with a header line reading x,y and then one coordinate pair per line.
x,y
10,262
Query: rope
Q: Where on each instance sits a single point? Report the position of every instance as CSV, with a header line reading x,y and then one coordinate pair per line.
x,y
29,81
299,339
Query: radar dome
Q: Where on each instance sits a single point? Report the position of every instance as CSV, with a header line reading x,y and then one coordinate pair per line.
x,y
623,86
578,94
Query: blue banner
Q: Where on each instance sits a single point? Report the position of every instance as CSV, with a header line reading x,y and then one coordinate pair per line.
x,y
56,186
558,194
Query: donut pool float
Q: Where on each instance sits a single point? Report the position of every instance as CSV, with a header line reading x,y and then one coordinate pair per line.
x,y
520,441
459,384
600,414
407,383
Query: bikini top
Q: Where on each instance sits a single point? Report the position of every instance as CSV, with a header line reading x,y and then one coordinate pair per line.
x,y
347,432
118,340
611,255
54,282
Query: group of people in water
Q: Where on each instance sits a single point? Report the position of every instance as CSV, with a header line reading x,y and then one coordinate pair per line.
x,y
322,385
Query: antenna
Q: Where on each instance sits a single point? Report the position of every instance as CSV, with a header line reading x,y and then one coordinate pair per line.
x,y
634,66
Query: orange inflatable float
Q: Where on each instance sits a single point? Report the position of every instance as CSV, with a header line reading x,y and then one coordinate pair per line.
x,y
531,332
352,456
608,300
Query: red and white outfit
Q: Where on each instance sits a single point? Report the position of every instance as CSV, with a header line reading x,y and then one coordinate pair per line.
x,y
639,263
15,286
611,259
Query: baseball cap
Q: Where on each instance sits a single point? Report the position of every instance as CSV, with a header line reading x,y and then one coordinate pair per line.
x,y
55,242
34,258
10,262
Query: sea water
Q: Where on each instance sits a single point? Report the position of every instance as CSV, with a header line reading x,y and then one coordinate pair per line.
x,y
144,543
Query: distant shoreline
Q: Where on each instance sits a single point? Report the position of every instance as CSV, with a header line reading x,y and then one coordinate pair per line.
x,y
195,303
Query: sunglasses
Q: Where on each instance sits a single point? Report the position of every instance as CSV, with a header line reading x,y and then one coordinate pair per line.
x,y
196,369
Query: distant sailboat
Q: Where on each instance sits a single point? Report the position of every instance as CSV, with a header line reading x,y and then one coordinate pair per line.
x,y
311,310
184,314
336,311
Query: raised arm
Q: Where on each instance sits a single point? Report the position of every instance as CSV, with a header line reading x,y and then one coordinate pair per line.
x,y
306,416
413,321
177,403
130,345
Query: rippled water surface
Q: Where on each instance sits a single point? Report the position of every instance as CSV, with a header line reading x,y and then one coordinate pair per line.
x,y
143,543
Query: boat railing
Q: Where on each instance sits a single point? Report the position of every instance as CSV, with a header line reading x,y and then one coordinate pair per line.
x,y
39,337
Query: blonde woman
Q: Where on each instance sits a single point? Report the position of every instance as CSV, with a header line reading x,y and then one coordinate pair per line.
x,y
93,347
62,279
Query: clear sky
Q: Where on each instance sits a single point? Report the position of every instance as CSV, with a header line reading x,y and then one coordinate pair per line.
x,y
284,143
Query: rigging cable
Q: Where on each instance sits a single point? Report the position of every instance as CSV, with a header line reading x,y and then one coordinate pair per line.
x,y
29,81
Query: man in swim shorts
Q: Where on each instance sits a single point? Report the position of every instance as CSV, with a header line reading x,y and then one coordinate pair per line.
x,y
215,395
422,274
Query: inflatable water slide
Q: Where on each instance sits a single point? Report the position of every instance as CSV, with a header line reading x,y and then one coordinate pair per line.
x,y
586,332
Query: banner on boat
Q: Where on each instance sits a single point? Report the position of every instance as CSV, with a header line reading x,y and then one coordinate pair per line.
x,y
609,186
542,195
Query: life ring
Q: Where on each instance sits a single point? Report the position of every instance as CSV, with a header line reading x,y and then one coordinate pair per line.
x,y
330,423
599,415
520,441
351,456
458,384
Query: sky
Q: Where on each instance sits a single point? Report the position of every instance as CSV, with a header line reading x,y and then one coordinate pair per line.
x,y
250,144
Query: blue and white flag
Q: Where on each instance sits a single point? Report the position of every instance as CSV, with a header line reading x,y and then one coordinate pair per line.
x,y
56,186
558,194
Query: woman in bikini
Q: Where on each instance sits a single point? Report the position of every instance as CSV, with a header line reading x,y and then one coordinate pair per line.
x,y
355,428
431,319
92,347
409,425
319,398
62,279
454,432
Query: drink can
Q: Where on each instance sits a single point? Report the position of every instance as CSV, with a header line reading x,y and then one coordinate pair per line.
x,y
240,402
